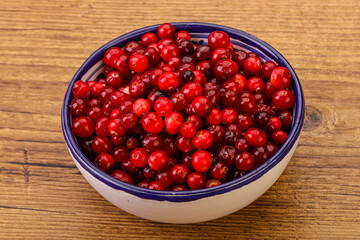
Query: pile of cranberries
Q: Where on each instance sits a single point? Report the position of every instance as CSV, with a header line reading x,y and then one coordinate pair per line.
x,y
169,114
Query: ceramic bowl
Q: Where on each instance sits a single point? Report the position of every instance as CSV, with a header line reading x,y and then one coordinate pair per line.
x,y
195,205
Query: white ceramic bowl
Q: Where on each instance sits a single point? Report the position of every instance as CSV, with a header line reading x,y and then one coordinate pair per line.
x,y
195,205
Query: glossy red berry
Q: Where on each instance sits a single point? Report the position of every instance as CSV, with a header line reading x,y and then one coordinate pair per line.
x,y
115,79
203,139
82,127
188,129
94,113
244,161
148,38
212,183
242,145
155,186
215,116
129,120
168,81
166,30
247,106
252,65
227,154
283,99
229,115
163,106
179,173
184,144
202,106
218,39
152,122
173,123
274,124
225,69
101,126
78,107
116,128
164,177
141,106
196,180
191,90
139,157
279,137
201,161
169,51
120,153
255,85
219,54
219,170
179,101
267,68
111,54
101,144
280,78
122,176
105,162
138,63
81,90
157,160
256,137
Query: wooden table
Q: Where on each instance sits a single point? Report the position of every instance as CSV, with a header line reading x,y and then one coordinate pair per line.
x,y
42,43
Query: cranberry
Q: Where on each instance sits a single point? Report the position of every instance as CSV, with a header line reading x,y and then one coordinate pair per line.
x,y
256,137
105,93
219,54
184,144
81,90
274,124
188,129
229,115
152,122
131,47
169,51
78,107
219,170
280,78
244,122
169,145
201,160
247,106
101,144
269,90
155,186
138,63
262,118
242,145
202,140
115,79
260,155
116,128
186,159
286,118
174,62
139,157
153,55
82,127
179,173
215,116
252,65
138,89
279,137
148,38
229,98
267,68
105,162
163,106
244,161
271,149
120,154
240,57
163,42
199,77
122,176
129,120
157,160
212,183
202,106
182,35
96,89
255,85
128,166
179,101
166,30
132,143
144,183
94,102
173,123
218,133
122,64
196,120
206,68
260,98
111,54
168,81
203,53
164,178
225,69
152,143
117,140
218,39
196,180
227,154
177,188
105,72
283,99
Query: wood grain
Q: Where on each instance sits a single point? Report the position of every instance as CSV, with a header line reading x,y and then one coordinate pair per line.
x,y
43,196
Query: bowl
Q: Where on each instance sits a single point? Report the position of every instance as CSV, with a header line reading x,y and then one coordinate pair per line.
x,y
195,205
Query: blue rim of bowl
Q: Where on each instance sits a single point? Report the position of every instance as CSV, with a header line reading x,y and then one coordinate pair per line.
x,y
192,195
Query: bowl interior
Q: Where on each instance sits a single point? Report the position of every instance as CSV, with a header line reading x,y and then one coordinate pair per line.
x,y
94,65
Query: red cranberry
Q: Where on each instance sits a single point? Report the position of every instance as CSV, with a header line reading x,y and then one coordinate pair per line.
x,y
269,90
212,183
280,78
122,176
229,115
164,178
240,57
229,98
120,154
157,160
94,113
168,81
163,42
182,35
117,140
152,143
116,128
81,90
215,116
169,51
206,68
166,30
141,106
279,137
179,101
202,106
244,161
105,72
225,69
255,85
153,55
105,93
117,98
227,154
252,65
219,170
131,47
244,122
240,81
111,54
203,53
115,79
132,143
139,157
274,124
283,99
202,140
177,188
129,120
82,127
94,102
262,118
163,106
138,63
231,85
102,144
218,39
219,54
271,149
148,38
108,107
242,145
260,98
188,129
122,64
191,90
214,96
201,161
155,186
179,173
260,155
144,183
196,120
125,107
196,180
184,144
267,68
188,76
247,106
173,123
138,89
152,122
105,162
128,166
286,118
256,137
218,133
78,107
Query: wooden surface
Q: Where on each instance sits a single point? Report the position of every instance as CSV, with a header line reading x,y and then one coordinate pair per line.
x,y
42,43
